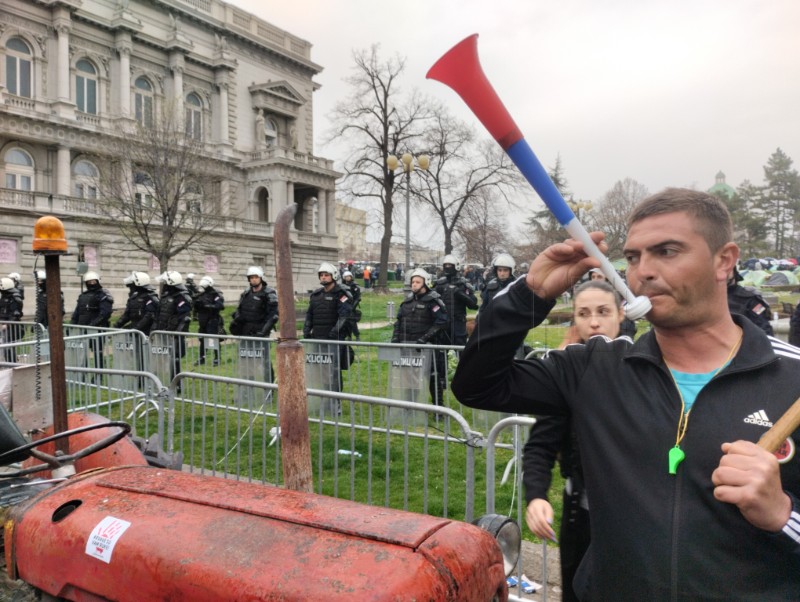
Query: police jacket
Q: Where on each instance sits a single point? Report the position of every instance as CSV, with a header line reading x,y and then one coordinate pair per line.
x,y
257,313
208,304
655,536
420,318
327,313
748,303
494,286
41,306
174,309
355,292
94,308
10,306
458,295
141,309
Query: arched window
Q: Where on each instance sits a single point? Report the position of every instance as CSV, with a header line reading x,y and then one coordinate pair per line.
x,y
86,87
19,169
143,102
271,131
84,178
18,68
194,117
262,205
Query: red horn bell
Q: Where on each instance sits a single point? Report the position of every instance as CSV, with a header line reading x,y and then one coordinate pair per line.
x,y
460,68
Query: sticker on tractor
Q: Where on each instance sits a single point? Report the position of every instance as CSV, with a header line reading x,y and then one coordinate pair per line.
x,y
104,537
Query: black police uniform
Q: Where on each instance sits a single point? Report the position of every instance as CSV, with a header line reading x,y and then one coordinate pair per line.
x,y
327,318
355,316
257,313
422,318
748,303
94,308
141,309
208,305
11,311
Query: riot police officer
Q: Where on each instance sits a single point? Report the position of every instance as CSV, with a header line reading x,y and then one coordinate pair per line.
x,y
257,312
328,315
421,318
41,299
749,303
208,304
10,311
18,284
502,275
94,308
355,290
458,295
174,313
141,308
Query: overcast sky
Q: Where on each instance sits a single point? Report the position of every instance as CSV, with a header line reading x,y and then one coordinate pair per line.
x,y
665,92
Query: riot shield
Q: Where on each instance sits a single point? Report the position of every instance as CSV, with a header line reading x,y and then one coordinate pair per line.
x,y
254,364
127,355
162,356
409,379
76,351
322,372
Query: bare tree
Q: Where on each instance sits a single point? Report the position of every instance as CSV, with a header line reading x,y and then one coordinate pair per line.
x,y
484,229
610,213
376,121
462,169
159,188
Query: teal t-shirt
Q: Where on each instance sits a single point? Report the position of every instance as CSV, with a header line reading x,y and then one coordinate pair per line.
x,y
690,385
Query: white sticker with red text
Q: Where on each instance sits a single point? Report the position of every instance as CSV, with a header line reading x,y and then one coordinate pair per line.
x,y
104,537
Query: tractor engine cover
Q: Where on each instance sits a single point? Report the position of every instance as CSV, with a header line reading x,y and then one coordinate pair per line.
x,y
140,533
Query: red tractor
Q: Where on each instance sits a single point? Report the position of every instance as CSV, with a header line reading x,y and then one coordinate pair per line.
x,y
119,529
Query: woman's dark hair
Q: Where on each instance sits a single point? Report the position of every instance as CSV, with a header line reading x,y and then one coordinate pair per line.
x,y
600,285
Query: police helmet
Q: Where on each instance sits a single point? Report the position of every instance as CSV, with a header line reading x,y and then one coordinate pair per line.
x,y
205,282
328,269
451,259
504,260
254,270
128,280
420,273
171,278
15,277
88,276
140,278
41,275
347,273
190,277
6,284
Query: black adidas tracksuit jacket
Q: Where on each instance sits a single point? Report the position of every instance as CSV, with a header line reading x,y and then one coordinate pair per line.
x,y
655,536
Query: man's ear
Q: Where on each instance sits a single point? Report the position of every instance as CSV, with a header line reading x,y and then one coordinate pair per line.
x,y
726,259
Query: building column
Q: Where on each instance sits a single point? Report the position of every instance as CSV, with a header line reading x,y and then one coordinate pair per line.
x,y
123,47
330,206
176,65
221,79
322,211
63,176
63,62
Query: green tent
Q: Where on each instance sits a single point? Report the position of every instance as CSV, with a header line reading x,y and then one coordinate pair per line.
x,y
754,277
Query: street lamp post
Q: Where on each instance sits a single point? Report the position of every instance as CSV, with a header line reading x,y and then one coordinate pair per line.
x,y
423,161
578,206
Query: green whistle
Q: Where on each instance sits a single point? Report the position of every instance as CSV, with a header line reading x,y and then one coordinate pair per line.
x,y
676,456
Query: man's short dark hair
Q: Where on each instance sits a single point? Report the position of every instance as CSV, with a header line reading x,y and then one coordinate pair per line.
x,y
712,216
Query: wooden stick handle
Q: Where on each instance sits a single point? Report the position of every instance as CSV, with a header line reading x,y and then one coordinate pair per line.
x,y
788,423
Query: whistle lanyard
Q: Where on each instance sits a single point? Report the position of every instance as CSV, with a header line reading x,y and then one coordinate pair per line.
x,y
676,454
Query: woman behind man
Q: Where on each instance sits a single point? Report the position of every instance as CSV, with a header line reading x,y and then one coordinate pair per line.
x,y
596,311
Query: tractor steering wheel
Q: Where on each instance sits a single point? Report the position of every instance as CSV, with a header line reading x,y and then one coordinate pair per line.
x,y
58,461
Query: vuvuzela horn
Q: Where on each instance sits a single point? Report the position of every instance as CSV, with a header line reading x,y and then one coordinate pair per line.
x,y
460,69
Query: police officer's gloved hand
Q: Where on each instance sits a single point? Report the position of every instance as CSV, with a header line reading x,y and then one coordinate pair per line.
x,y
334,333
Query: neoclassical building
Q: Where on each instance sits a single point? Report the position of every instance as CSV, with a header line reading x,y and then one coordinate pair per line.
x,y
75,72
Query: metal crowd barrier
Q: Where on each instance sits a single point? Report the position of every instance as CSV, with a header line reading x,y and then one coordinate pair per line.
x,y
376,436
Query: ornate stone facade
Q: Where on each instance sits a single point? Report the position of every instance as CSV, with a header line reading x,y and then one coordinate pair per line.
x,y
68,82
